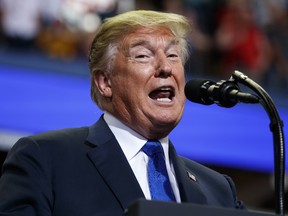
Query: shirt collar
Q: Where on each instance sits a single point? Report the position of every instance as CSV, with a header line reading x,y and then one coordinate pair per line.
x,y
129,140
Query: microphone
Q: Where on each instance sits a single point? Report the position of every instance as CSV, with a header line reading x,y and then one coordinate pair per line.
x,y
224,93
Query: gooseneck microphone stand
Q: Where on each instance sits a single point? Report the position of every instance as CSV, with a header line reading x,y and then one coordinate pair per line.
x,y
276,127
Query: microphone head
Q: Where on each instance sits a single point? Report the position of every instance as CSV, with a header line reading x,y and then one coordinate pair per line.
x,y
196,91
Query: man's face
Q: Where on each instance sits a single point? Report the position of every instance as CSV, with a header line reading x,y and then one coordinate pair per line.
x,y
147,82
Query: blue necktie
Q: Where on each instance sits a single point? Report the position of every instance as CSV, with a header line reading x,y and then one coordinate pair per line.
x,y
159,184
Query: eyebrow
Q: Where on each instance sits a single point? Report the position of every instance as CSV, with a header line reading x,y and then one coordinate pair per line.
x,y
139,43
146,43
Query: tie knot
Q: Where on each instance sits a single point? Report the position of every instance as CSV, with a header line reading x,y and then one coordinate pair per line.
x,y
152,147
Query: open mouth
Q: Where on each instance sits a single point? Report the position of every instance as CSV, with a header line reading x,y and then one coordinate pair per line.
x,y
163,94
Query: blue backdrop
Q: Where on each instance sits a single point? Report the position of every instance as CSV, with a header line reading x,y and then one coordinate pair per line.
x,y
33,101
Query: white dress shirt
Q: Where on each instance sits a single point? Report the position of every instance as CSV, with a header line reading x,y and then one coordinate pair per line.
x,y
131,144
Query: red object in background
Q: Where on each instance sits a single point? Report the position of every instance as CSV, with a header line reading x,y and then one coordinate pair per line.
x,y
240,41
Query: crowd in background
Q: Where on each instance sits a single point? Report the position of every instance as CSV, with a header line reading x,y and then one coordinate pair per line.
x,y
247,35
60,28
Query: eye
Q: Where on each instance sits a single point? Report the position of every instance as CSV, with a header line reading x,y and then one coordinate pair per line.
x,y
142,56
173,53
173,56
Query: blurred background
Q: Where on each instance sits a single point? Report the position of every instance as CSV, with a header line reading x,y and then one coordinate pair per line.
x,y
44,77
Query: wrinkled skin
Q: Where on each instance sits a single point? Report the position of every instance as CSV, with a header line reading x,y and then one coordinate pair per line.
x,y
146,87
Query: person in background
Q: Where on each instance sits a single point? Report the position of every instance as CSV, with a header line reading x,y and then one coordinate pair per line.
x,y
137,78
20,23
240,42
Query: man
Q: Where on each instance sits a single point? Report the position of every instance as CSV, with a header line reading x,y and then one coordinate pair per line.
x,y
137,78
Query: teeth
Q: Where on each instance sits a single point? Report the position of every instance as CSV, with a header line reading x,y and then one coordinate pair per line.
x,y
165,89
164,99
163,94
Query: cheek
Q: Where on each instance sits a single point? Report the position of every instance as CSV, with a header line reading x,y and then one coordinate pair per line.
x,y
180,78
137,77
127,88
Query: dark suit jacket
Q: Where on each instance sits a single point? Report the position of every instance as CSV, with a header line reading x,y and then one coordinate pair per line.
x,y
83,172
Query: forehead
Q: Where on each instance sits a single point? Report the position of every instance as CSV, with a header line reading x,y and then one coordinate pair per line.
x,y
141,36
152,30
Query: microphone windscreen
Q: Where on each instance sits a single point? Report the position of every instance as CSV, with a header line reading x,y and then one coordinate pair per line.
x,y
195,91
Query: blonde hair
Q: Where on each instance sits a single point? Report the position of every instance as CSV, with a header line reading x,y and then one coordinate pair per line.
x,y
104,44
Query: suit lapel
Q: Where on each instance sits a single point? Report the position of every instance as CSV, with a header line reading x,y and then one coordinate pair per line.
x,y
110,161
188,184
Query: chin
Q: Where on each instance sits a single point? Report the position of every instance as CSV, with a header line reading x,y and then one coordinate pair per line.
x,y
167,121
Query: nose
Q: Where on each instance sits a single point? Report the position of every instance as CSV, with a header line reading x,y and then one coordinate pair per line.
x,y
163,66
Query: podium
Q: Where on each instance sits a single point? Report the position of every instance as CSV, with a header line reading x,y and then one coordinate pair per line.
x,y
155,208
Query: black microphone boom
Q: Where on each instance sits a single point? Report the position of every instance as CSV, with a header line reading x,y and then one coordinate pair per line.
x,y
224,93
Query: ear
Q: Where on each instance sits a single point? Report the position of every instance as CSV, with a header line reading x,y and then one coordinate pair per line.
x,y
103,83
